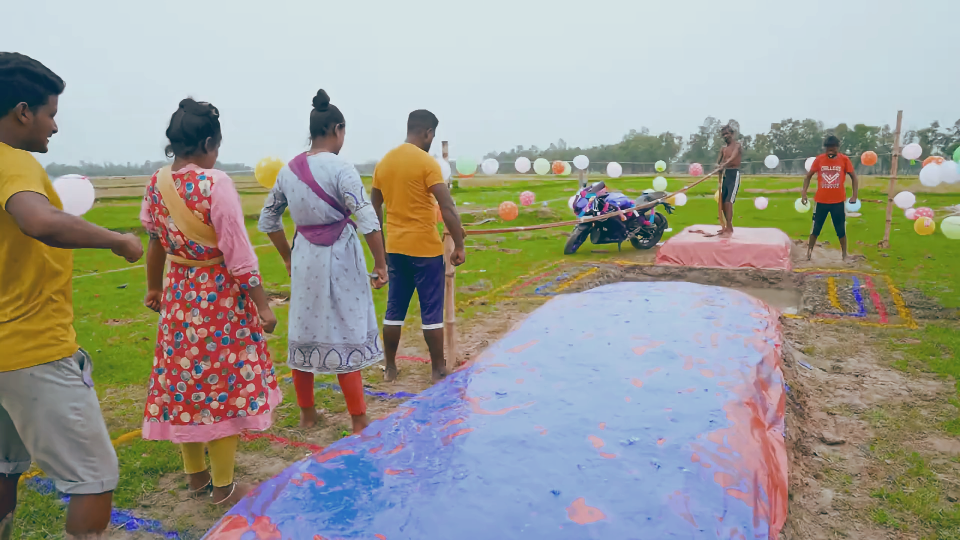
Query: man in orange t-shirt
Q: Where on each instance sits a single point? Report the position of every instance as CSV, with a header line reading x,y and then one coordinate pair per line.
x,y
832,169
410,183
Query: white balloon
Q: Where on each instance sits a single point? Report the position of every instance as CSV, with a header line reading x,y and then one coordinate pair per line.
x,y
680,199
523,165
581,162
541,166
930,175
949,173
444,168
573,199
614,170
660,183
912,151
905,200
808,164
76,193
490,166
771,161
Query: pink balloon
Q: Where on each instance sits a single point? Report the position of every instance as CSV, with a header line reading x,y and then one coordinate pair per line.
x,y
924,212
696,169
527,198
910,213
760,203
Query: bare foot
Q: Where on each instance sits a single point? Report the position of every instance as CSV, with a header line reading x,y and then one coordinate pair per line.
x,y
360,423
309,417
390,373
230,495
726,233
438,375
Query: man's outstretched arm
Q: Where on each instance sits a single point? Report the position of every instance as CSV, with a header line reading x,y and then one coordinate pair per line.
x,y
39,219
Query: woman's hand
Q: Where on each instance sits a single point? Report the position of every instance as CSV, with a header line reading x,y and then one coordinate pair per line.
x,y
381,278
268,320
152,300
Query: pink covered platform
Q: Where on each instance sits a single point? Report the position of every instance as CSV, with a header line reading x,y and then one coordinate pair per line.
x,y
767,249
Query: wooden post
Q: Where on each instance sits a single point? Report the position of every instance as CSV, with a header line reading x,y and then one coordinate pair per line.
x,y
445,152
885,243
450,339
583,178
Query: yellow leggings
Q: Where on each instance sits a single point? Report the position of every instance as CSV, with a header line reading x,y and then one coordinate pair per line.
x,y
222,455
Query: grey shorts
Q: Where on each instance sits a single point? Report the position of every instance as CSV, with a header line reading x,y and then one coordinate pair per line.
x,y
49,414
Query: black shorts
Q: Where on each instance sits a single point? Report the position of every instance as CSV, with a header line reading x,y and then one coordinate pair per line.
x,y
730,185
425,275
836,211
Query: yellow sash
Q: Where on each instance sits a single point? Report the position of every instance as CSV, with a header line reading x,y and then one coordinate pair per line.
x,y
189,224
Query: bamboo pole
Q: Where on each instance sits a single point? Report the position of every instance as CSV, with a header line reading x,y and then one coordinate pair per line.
x,y
450,338
885,243
446,157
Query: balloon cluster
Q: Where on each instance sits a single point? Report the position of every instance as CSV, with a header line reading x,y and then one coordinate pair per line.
x,y
939,171
924,217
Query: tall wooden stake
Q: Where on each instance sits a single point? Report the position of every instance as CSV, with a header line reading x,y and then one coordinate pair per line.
x,y
446,157
583,178
885,243
450,338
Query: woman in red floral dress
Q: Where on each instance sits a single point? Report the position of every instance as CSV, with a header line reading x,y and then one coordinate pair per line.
x,y
212,376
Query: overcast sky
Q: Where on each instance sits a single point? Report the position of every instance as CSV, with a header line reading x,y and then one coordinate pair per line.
x,y
497,73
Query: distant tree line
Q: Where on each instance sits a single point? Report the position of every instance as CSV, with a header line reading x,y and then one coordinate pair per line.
x,y
128,169
793,141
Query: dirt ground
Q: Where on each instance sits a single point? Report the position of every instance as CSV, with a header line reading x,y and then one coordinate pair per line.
x,y
843,397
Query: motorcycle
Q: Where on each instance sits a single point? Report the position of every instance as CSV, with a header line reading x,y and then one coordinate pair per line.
x,y
642,230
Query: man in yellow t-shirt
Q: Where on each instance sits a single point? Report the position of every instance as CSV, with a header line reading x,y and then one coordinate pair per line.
x,y
410,183
49,412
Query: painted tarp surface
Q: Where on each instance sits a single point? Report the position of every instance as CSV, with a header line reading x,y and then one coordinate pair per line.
x,y
634,410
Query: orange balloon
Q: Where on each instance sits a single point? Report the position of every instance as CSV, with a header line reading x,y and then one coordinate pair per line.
x,y
558,167
933,159
509,211
868,158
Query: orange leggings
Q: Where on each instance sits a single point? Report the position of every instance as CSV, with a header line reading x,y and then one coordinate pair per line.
x,y
351,384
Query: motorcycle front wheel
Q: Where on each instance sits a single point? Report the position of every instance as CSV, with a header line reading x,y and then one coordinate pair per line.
x,y
576,239
651,241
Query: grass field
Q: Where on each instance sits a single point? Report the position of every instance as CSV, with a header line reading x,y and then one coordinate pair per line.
x,y
120,333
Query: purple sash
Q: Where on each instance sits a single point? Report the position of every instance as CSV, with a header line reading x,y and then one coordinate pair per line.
x,y
319,235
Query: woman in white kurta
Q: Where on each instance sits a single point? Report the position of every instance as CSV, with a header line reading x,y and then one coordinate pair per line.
x,y
333,324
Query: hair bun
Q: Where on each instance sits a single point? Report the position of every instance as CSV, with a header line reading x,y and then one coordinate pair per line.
x,y
321,101
196,108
